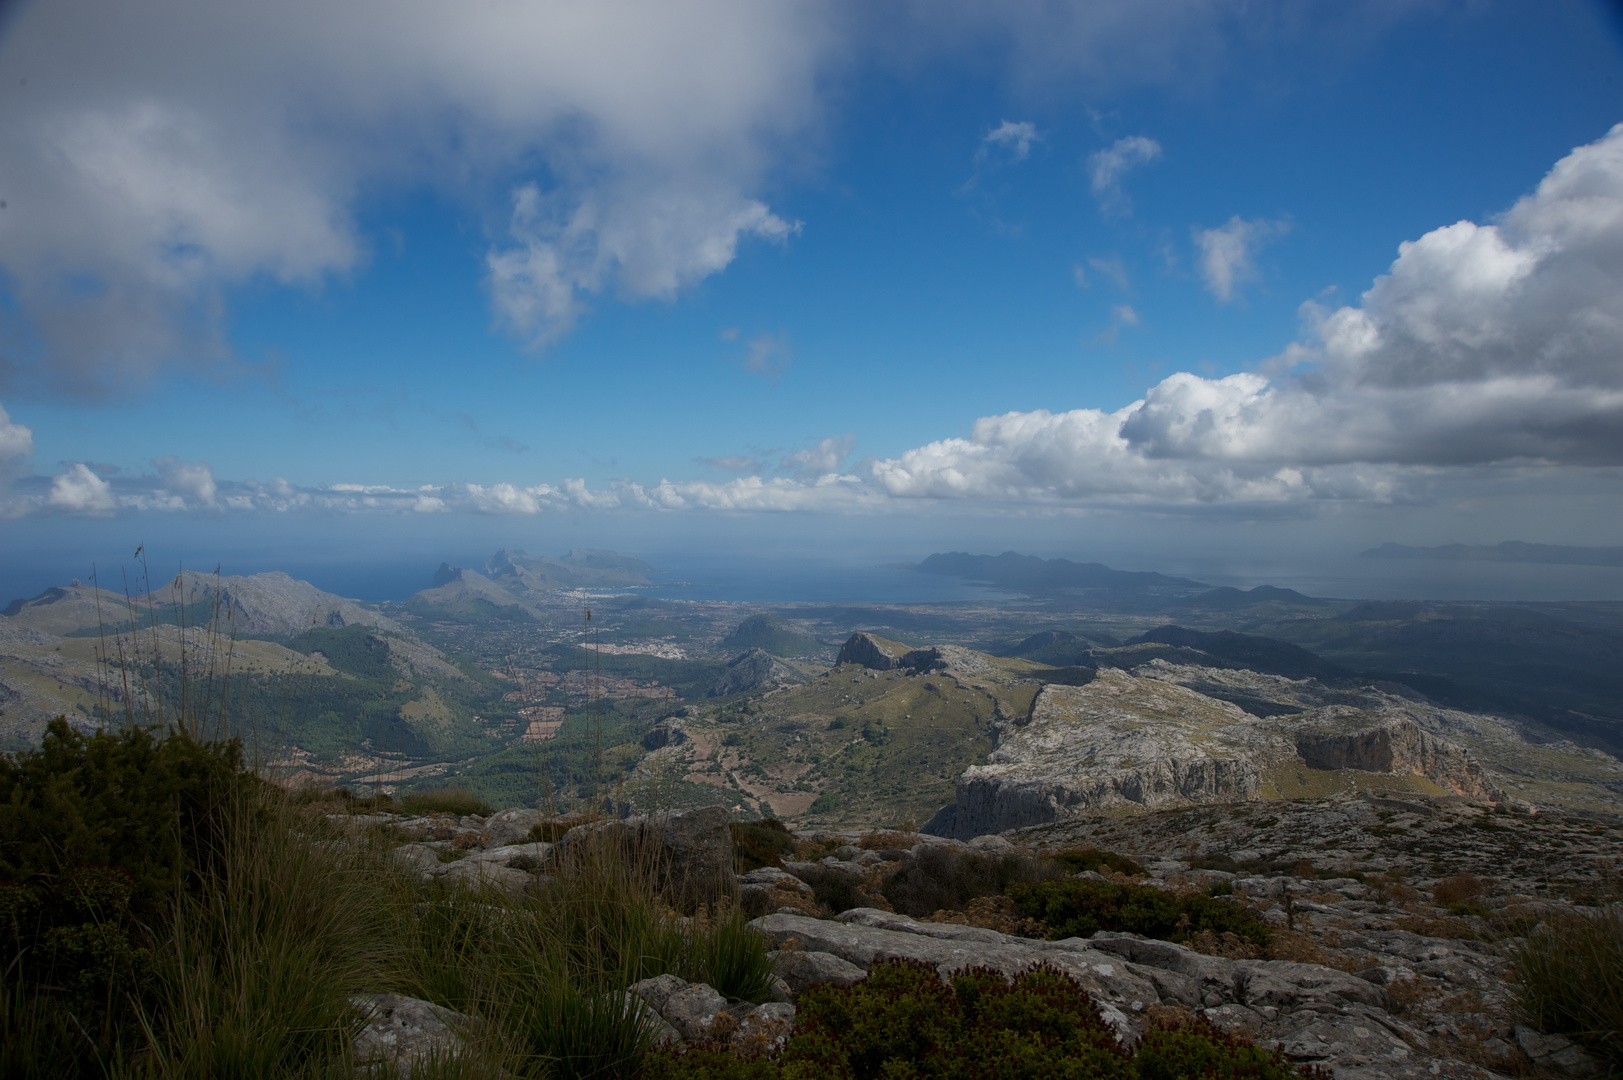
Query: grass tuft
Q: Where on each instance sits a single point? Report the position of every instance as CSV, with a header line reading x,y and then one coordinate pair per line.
x,y
1569,975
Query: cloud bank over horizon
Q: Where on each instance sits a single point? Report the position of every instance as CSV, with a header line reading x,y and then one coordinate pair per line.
x,y
1484,349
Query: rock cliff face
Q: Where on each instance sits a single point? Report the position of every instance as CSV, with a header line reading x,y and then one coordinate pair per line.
x,y
1149,739
871,652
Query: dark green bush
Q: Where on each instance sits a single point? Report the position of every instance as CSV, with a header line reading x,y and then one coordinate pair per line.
x,y
1200,1050
835,890
1079,859
458,801
760,843
1079,908
904,1023
97,834
941,879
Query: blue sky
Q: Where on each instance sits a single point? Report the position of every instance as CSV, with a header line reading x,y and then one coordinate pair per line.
x,y
1086,279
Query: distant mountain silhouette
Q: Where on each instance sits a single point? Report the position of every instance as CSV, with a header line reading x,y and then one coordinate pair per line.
x,y
1014,570
1251,651
1225,598
1509,551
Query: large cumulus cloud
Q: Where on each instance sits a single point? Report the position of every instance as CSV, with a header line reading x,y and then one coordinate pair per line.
x,y
1484,345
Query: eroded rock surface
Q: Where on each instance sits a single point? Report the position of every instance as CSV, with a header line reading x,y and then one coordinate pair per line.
x,y
1159,736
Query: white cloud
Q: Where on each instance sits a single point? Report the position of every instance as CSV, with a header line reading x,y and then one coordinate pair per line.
x,y
1015,138
825,457
192,480
80,491
1107,168
1226,253
16,443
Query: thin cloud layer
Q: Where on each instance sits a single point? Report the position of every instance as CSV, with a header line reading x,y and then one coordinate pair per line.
x,y
1108,168
1227,252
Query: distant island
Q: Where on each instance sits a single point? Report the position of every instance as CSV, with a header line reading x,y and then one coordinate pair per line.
x,y
1509,551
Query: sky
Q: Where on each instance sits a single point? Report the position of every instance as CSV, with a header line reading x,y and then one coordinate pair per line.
x,y
1237,288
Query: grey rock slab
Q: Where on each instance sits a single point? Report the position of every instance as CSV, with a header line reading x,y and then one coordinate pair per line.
x,y
529,856
404,1032
774,878
1282,985
693,1009
1107,978
1556,1051
477,874
803,970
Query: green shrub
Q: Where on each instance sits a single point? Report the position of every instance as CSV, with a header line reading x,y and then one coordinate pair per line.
x,y
760,843
1087,858
825,804
1201,1050
1079,908
458,801
943,879
97,834
904,1023
1569,980
834,890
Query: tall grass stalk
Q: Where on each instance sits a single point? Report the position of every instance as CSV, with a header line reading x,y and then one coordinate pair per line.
x,y
1569,976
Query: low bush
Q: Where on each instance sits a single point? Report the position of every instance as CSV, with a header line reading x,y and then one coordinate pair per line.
x,y
1079,908
458,801
1077,860
942,879
903,1021
1569,976
760,843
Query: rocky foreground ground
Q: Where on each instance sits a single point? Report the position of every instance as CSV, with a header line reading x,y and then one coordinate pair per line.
x,y
1394,920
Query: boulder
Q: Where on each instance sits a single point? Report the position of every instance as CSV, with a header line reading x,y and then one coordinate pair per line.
x,y
401,1032
691,851
658,990
764,1029
511,826
417,858
692,1011
803,970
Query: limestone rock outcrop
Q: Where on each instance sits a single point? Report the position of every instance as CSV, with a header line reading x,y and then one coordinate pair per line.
x,y
1160,735
872,651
